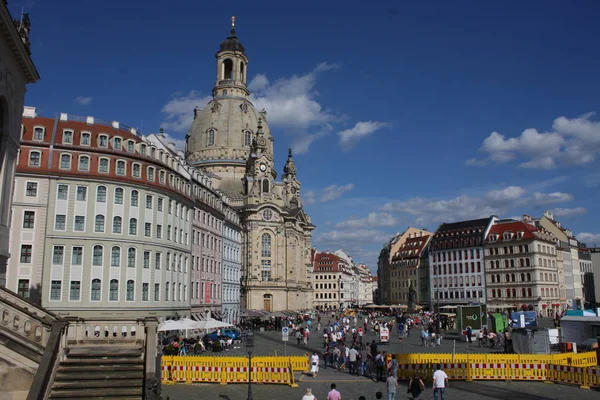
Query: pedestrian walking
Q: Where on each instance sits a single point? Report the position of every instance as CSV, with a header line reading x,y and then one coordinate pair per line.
x,y
416,387
314,364
391,383
308,395
333,393
440,383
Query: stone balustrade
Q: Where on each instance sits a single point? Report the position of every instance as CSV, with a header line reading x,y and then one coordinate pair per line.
x,y
108,330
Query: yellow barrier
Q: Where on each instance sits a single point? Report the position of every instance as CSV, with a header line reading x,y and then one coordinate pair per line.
x,y
300,363
223,370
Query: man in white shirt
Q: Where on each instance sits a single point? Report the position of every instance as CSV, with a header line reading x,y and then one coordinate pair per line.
x,y
440,383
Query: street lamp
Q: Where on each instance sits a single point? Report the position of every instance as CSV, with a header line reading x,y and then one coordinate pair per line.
x,y
249,348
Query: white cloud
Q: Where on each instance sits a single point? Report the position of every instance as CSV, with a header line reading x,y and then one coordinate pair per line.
x,y
179,142
259,82
179,111
571,141
309,197
474,162
348,238
494,202
372,220
590,239
83,100
349,137
333,192
569,212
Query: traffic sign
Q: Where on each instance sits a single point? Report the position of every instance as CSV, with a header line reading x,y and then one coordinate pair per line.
x,y
285,333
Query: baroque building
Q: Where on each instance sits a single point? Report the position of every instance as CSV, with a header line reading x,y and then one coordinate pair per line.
x,y
16,71
231,141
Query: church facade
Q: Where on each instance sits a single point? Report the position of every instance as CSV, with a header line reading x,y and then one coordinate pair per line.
x,y
231,141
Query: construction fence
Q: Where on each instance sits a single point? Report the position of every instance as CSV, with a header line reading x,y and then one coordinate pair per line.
x,y
223,370
578,369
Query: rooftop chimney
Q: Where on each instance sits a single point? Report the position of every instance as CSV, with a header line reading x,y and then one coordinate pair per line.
x,y
548,214
29,112
89,120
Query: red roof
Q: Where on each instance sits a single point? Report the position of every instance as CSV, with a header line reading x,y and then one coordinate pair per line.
x,y
411,244
327,262
512,227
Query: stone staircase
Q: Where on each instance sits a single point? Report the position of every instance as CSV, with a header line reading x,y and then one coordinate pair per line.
x,y
100,372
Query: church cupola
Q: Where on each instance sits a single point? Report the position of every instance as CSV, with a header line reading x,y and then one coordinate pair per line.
x,y
259,143
231,67
289,170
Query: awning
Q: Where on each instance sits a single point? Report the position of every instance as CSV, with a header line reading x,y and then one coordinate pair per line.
x,y
197,317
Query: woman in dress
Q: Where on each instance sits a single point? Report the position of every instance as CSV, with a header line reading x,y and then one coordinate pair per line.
x,y
308,395
416,387
314,364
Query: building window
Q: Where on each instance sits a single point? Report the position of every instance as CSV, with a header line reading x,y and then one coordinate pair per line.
x,y
35,158
266,245
156,291
115,256
134,198
150,173
75,291
58,253
67,137
117,224
28,219
60,222
247,138
144,292
55,289
143,149
167,291
136,170
38,133
114,290
132,226
103,165
130,286
265,186
26,254
120,167
131,257
81,193
101,194
147,229
103,141
117,143
79,225
77,256
84,163
96,290
99,224
65,161
210,140
31,189
162,177
149,200
265,270
130,146
118,196
97,256
23,288
62,192
146,259
85,139
159,231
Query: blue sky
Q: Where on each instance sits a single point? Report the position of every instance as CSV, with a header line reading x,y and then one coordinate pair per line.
x,y
400,113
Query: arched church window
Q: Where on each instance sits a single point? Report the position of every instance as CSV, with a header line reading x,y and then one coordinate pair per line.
x,y
265,186
228,69
266,245
210,140
247,138
242,76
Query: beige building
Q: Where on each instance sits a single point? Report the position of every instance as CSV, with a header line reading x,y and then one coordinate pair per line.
x,y
365,285
16,71
409,268
232,142
521,267
331,275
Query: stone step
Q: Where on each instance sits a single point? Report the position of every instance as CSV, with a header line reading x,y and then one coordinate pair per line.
x,y
95,393
98,375
103,351
77,368
104,383
101,361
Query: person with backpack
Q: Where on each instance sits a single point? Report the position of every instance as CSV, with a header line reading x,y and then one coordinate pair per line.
x,y
415,387
380,363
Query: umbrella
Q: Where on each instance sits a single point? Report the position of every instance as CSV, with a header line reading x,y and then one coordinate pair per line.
x,y
173,325
210,323
447,307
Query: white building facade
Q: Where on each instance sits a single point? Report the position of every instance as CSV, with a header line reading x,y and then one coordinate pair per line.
x,y
232,265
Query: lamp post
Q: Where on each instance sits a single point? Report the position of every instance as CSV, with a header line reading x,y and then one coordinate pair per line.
x,y
249,348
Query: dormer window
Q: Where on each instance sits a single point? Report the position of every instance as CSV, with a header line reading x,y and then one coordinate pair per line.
x,y
520,235
85,139
143,149
38,133
117,143
67,137
130,147
103,141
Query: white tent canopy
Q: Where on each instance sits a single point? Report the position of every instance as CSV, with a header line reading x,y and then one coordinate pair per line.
x,y
177,325
210,323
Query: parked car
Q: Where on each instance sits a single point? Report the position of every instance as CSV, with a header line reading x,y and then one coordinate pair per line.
x,y
588,345
232,333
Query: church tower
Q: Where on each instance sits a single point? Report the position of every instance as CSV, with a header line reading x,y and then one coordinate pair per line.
x,y
232,142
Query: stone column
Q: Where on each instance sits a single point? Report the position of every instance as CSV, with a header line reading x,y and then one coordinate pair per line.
x,y
152,360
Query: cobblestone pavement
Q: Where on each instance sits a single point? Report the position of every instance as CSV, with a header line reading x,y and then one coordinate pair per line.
x,y
351,387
